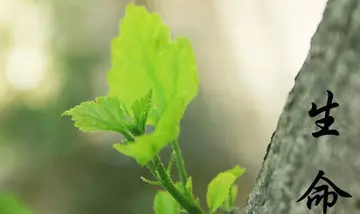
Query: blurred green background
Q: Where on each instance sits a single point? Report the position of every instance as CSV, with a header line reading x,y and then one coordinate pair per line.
x,y
55,54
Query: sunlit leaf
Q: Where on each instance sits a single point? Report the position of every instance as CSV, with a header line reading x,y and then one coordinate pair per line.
x,y
237,171
143,57
164,203
139,113
231,198
105,114
146,66
218,190
110,114
147,146
189,187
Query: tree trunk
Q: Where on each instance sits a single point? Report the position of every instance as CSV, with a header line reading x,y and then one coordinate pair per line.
x,y
294,156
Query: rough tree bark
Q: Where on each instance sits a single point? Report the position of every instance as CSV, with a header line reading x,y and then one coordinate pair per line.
x,y
295,156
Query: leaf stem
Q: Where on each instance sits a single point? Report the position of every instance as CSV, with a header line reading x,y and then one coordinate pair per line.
x,y
180,163
189,205
171,162
157,168
152,169
150,165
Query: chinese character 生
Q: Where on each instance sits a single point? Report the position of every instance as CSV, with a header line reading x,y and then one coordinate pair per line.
x,y
325,122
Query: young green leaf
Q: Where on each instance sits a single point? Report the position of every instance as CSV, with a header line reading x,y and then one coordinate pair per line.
x,y
233,194
153,183
110,114
106,114
139,114
237,171
164,203
171,162
231,198
143,57
218,189
179,187
147,146
189,188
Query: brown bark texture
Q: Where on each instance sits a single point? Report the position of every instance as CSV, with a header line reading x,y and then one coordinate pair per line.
x,y
295,157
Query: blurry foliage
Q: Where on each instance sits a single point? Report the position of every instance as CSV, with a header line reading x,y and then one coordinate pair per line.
x,y
56,148
11,205
60,170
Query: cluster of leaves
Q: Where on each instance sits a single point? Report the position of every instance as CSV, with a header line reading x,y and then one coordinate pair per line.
x,y
151,81
143,59
221,193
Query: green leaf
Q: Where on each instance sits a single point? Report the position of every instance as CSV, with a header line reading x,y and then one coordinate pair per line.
x,y
164,203
189,188
231,198
218,190
171,162
147,146
237,171
153,183
106,114
110,114
9,204
179,187
140,110
143,57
